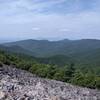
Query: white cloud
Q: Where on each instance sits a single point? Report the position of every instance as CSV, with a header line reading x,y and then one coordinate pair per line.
x,y
26,6
23,18
64,30
35,29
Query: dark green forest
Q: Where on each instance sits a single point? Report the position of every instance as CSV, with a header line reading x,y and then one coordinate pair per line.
x,y
50,68
85,52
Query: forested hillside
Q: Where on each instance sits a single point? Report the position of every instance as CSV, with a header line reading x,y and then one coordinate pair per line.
x,y
86,77
45,48
81,52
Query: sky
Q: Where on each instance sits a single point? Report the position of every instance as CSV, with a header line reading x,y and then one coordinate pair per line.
x,y
49,19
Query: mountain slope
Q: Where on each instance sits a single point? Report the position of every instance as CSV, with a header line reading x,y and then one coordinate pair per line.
x,y
44,48
60,60
17,84
84,51
15,49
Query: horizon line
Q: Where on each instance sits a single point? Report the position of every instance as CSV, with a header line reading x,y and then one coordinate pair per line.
x,y
9,41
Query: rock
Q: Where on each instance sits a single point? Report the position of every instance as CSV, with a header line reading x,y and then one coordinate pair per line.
x,y
2,95
17,84
55,98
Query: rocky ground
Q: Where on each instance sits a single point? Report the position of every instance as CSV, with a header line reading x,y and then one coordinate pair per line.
x,y
16,84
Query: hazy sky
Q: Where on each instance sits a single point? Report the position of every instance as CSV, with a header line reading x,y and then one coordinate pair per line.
x,y
49,19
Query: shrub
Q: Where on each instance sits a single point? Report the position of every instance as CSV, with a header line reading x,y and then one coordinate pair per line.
x,y
7,62
1,65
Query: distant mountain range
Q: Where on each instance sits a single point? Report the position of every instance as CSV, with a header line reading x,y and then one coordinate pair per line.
x,y
86,51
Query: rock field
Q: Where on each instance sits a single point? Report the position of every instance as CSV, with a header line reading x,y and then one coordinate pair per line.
x,y
16,84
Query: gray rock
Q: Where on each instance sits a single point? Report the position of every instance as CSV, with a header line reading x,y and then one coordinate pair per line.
x,y
16,84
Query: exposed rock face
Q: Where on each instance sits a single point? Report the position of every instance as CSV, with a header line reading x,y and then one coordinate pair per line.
x,y
16,84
